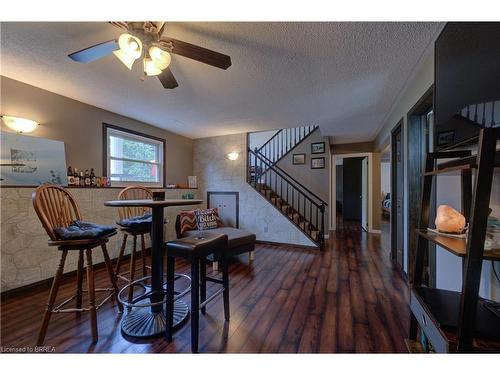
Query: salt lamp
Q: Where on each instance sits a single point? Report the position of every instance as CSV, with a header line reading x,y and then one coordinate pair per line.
x,y
449,220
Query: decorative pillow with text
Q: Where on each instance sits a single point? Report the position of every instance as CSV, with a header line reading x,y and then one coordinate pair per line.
x,y
208,219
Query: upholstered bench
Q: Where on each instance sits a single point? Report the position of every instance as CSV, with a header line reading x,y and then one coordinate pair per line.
x,y
239,241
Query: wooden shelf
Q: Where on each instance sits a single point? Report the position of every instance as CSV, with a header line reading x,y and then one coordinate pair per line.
x,y
459,164
437,313
456,246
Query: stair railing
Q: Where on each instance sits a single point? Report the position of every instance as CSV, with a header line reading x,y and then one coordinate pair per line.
x,y
485,114
291,195
283,141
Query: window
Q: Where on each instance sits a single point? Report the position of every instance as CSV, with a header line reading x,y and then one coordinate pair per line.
x,y
132,157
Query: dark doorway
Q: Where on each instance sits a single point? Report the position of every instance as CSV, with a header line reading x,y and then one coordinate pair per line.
x,y
352,189
397,195
420,123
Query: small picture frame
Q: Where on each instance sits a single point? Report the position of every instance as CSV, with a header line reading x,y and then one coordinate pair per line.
x,y
318,148
317,163
192,184
298,159
446,138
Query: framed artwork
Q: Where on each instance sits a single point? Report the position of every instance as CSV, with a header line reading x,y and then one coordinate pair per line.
x,y
446,138
317,163
31,161
298,159
318,148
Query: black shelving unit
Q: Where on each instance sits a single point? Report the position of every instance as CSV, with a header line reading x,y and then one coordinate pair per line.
x,y
458,321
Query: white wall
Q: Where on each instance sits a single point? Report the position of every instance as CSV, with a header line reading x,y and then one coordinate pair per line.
x,y
385,177
258,139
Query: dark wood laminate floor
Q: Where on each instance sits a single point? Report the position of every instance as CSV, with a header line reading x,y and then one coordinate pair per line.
x,y
346,299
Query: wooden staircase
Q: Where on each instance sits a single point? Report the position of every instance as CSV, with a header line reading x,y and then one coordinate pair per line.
x,y
288,210
292,199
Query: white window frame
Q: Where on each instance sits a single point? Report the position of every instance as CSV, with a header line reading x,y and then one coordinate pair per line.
x,y
124,134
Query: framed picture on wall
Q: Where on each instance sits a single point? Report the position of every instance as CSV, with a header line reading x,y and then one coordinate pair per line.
x,y
317,163
318,148
298,159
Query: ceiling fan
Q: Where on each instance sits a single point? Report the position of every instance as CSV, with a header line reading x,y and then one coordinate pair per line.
x,y
145,41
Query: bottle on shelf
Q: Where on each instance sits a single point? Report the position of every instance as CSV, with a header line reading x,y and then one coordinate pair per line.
x,y
76,178
93,181
70,176
87,178
82,179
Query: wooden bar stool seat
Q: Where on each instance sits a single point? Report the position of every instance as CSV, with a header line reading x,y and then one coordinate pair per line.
x,y
56,208
195,250
125,213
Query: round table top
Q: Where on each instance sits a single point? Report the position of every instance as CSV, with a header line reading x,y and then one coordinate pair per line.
x,y
152,203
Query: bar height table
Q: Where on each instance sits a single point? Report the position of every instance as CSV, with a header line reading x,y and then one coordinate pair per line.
x,y
148,323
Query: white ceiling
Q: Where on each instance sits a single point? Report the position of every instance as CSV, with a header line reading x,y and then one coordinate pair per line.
x,y
343,76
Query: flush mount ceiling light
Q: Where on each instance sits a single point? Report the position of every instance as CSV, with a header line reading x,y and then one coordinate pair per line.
x,y
145,40
232,155
19,124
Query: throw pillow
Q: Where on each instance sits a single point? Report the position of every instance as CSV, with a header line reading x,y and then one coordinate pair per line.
x,y
187,221
207,219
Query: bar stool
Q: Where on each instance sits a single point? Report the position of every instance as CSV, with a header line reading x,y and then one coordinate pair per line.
x,y
56,208
125,213
195,250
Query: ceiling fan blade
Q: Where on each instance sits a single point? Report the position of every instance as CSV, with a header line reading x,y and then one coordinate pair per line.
x,y
200,54
95,52
167,79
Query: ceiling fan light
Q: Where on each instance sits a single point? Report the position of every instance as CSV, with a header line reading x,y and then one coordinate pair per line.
x,y
130,45
160,57
124,58
150,68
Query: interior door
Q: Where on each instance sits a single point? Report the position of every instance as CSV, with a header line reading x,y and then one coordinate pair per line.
x,y
352,176
227,204
397,165
364,194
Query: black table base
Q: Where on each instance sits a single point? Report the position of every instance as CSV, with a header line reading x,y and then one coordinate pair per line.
x,y
143,323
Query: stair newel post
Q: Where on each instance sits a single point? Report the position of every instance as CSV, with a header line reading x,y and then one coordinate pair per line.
x,y
475,238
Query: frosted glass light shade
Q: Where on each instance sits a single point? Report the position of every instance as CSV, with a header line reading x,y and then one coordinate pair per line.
x,y
124,58
19,124
232,155
130,45
160,57
150,68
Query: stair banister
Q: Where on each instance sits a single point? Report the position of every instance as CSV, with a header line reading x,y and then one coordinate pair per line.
x,y
270,165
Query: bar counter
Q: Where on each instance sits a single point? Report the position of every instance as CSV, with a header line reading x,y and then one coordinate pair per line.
x,y
25,256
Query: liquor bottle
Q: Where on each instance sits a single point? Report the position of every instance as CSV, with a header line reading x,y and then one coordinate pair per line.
x,y
76,178
87,178
82,179
70,176
93,181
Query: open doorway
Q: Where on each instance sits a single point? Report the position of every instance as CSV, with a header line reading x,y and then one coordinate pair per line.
x,y
352,190
385,197
397,195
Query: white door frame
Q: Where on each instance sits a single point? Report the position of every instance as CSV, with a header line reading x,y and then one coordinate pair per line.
x,y
333,196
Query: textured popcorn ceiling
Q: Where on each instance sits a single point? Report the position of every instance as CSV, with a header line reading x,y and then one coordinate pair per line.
x,y
343,76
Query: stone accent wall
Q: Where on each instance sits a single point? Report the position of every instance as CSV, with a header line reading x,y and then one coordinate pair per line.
x,y
25,256
215,172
